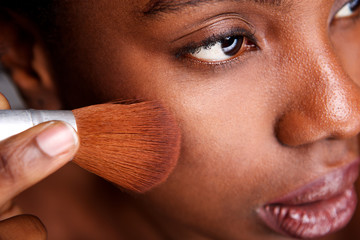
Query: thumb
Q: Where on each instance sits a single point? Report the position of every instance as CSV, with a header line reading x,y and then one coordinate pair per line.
x,y
28,157
4,104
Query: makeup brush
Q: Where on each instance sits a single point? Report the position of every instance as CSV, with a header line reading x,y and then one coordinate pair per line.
x,y
135,146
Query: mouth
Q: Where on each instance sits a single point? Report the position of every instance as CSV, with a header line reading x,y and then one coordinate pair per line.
x,y
316,209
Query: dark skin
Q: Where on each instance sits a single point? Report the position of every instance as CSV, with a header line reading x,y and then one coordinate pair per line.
x,y
280,112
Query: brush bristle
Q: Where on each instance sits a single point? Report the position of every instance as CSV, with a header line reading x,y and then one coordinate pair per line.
x,y
135,146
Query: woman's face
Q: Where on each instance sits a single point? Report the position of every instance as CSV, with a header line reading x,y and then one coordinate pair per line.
x,y
265,92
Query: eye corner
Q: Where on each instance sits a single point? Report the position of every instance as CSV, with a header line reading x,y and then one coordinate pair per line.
x,y
190,48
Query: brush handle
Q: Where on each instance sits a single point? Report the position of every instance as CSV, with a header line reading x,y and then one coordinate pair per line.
x,y
15,121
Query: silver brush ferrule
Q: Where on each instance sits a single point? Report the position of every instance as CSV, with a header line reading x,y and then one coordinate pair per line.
x,y
15,121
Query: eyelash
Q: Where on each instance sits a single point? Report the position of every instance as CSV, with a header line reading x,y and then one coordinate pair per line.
x,y
355,5
249,37
193,47
357,9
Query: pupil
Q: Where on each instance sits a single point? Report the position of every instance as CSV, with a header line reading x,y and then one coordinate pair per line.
x,y
227,42
231,45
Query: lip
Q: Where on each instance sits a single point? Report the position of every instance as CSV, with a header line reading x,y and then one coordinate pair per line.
x,y
317,208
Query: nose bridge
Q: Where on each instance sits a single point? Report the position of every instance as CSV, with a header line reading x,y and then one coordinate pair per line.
x,y
326,103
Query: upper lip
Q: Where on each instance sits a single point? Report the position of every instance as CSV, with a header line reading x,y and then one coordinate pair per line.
x,y
328,186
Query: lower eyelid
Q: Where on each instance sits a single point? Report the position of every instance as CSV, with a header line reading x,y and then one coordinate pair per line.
x,y
218,67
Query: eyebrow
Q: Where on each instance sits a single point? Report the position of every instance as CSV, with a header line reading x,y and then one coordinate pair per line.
x,y
165,6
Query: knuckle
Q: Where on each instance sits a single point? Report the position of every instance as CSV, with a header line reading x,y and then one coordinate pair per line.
x,y
11,168
6,170
8,210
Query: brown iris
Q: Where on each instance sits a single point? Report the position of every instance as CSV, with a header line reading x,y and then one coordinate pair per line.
x,y
232,45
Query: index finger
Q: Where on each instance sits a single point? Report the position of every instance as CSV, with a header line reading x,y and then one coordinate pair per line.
x,y
32,155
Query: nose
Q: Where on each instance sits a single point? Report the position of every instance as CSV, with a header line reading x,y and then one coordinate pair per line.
x,y
325,104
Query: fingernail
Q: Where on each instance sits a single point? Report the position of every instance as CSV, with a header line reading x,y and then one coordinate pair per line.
x,y
56,139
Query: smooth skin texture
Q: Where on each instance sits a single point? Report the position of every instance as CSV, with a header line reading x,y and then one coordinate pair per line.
x,y
283,112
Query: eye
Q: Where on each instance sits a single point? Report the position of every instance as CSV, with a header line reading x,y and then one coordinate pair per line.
x,y
348,10
222,50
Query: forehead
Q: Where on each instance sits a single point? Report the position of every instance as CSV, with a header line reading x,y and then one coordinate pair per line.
x,y
153,7
134,17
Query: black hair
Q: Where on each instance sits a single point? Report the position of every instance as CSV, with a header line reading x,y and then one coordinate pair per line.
x,y
38,11
28,7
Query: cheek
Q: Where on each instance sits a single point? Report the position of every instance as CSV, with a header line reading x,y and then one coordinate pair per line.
x,y
347,46
226,130
227,124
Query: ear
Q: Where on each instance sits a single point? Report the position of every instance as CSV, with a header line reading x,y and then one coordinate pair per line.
x,y
24,57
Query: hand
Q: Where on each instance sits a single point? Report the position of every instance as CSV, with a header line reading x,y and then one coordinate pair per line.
x,y
25,159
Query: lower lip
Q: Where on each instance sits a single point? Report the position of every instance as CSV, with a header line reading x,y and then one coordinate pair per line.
x,y
311,220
